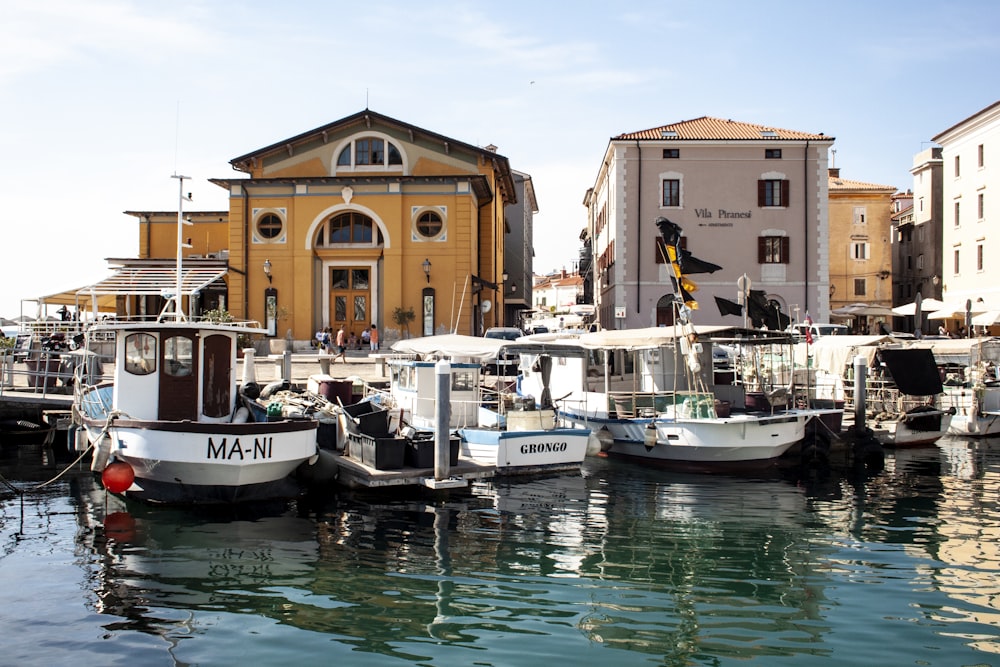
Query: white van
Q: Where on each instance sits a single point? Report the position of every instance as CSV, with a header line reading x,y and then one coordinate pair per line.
x,y
818,329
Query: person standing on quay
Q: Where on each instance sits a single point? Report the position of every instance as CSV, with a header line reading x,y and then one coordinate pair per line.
x,y
373,337
339,350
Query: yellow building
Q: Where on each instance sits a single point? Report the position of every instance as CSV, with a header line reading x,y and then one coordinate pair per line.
x,y
860,242
351,223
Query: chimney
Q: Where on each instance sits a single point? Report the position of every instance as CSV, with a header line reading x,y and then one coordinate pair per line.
x,y
834,172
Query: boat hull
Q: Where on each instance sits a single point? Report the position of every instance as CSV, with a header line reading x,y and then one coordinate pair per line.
x,y
209,463
740,438
913,430
527,451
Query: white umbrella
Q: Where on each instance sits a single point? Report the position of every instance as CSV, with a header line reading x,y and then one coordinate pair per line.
x,y
953,311
927,305
863,309
986,319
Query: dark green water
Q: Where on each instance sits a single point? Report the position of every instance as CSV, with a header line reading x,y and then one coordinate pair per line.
x,y
622,565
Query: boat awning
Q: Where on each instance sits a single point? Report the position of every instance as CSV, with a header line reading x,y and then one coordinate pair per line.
x,y
913,370
136,280
154,280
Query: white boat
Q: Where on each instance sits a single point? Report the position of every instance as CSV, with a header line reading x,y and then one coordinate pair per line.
x,y
970,372
643,393
172,412
496,428
903,390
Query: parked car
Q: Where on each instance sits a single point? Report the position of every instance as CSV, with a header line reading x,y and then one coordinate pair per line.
x,y
819,329
506,364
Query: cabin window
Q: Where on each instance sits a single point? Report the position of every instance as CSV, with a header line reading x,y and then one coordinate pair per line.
x,y
463,381
140,353
178,358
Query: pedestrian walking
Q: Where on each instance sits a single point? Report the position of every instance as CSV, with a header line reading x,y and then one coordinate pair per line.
x,y
373,338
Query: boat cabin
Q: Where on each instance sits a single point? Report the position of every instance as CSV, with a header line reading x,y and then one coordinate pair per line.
x,y
175,372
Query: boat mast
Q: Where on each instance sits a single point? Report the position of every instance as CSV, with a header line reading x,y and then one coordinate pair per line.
x,y
177,299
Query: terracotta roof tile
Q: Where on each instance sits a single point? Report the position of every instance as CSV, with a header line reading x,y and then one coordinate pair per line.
x,y
707,127
838,183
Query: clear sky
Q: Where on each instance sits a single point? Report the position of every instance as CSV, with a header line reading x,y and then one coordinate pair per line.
x,y
101,101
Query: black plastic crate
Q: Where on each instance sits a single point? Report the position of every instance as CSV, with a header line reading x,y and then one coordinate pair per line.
x,y
380,453
420,451
372,420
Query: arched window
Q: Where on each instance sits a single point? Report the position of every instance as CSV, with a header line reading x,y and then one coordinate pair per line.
x,y
370,152
350,227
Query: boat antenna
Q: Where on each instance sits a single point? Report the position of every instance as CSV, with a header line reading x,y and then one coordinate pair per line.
x,y
176,300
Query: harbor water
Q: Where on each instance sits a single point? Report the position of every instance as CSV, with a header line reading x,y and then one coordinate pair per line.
x,y
620,565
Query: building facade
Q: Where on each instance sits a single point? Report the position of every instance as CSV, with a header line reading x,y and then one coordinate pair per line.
x,y
970,158
750,198
518,261
860,241
362,221
917,237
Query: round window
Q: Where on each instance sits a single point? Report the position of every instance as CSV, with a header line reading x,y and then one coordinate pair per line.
x,y
429,224
269,226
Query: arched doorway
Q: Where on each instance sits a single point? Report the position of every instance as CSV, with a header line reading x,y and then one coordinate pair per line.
x,y
665,311
350,283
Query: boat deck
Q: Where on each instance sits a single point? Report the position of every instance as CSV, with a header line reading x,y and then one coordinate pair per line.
x,y
356,474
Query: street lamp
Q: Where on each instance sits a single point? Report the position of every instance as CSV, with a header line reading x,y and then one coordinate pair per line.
x,y
267,270
427,269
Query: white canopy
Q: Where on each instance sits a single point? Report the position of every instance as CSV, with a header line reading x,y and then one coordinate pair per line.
x,y
953,310
458,347
927,305
986,319
834,353
870,309
635,339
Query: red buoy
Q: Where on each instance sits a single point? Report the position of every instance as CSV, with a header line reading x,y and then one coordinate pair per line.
x,y
117,477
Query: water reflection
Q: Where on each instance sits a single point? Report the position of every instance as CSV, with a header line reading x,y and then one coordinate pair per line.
x,y
630,562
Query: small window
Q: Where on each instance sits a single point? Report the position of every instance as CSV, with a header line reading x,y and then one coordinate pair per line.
x,y
772,153
773,250
178,356
429,224
859,287
140,353
269,226
859,215
958,166
958,211
980,205
956,262
859,250
773,193
979,257
344,160
982,161
671,153
671,192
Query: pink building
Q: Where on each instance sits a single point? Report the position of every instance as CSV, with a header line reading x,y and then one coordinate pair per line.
x,y
750,198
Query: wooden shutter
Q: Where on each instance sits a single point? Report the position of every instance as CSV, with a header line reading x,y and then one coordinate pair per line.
x,y
785,248
785,189
761,248
761,192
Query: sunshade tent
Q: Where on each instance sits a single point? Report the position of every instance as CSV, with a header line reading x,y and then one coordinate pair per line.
x,y
986,319
862,310
953,311
928,305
